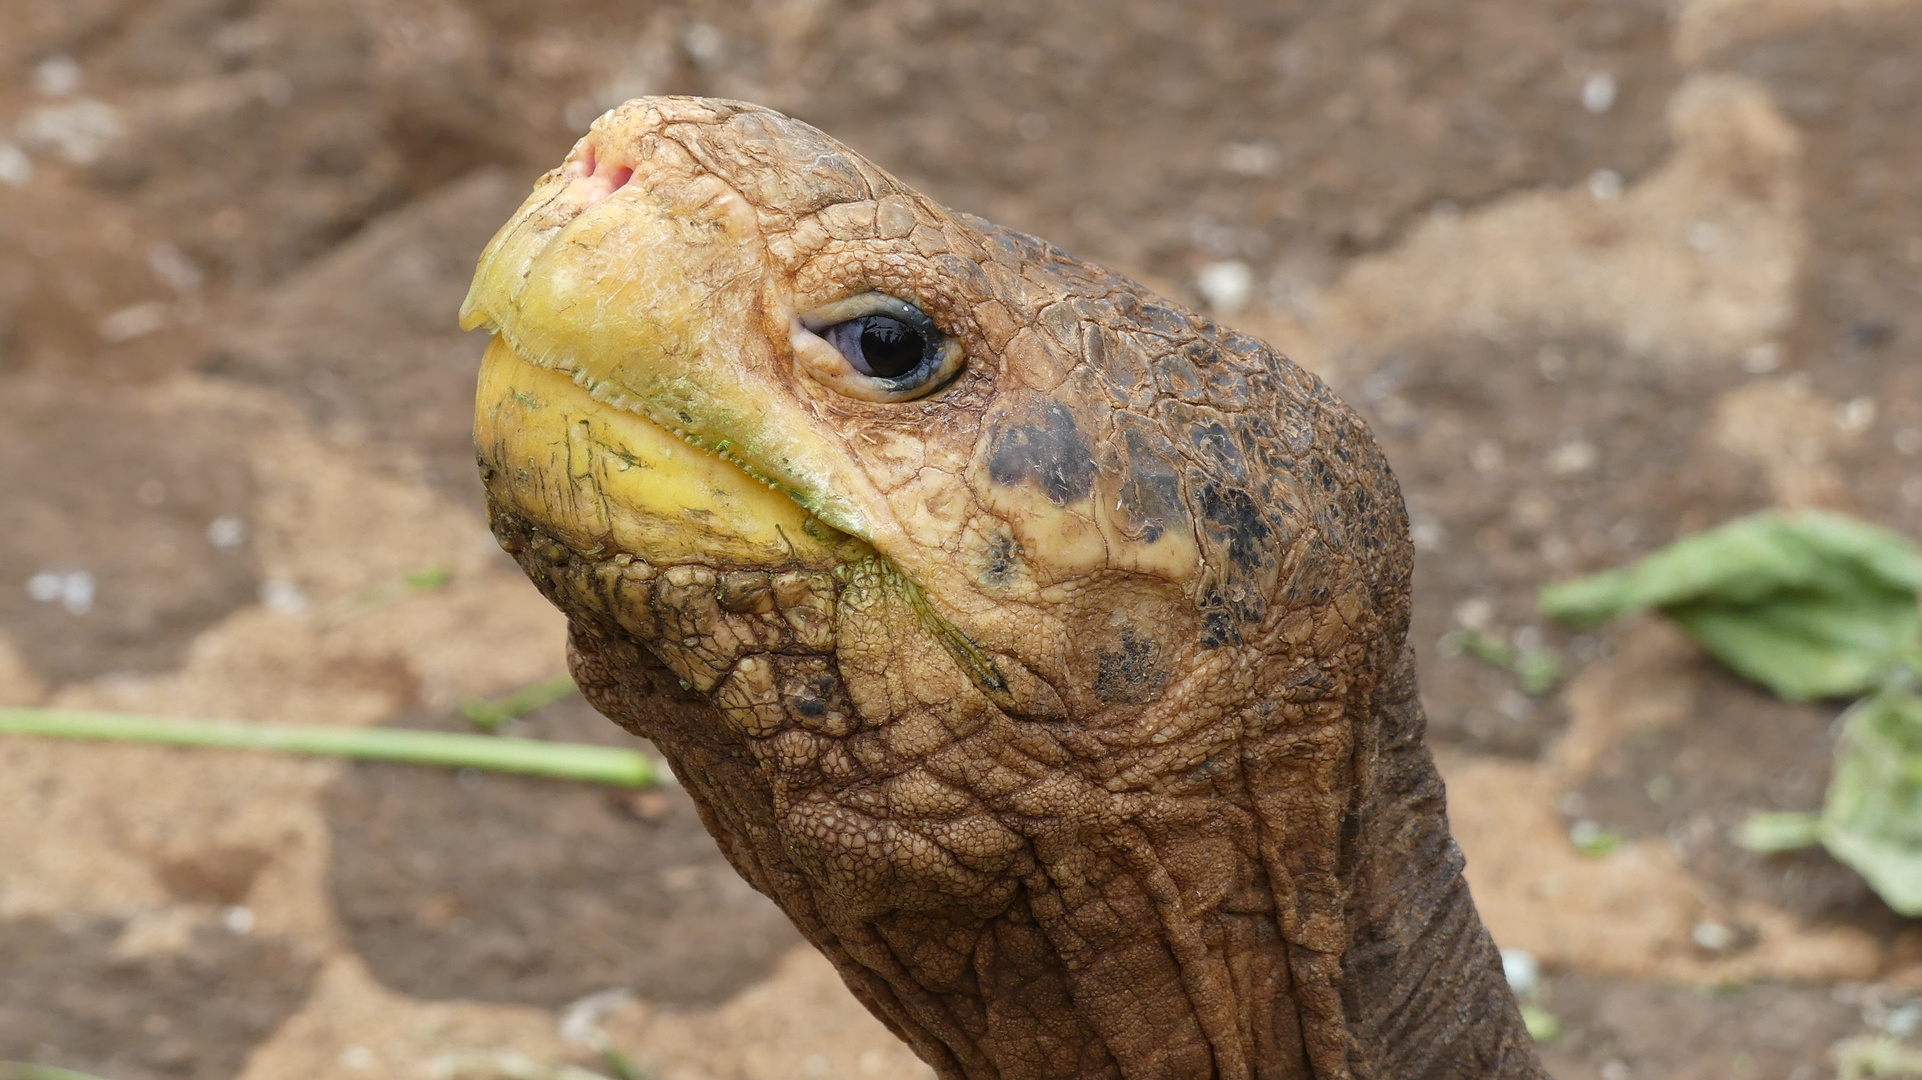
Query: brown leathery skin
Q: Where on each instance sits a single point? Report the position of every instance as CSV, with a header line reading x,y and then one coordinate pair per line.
x,y
1066,709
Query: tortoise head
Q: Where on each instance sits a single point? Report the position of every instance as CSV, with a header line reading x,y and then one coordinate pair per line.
x,y
935,560
725,341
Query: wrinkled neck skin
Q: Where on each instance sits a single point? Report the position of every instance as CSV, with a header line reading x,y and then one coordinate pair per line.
x,y
1066,707
1246,936
1423,990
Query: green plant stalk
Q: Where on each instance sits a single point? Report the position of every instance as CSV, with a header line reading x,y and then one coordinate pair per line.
x,y
1770,833
433,577
531,757
17,1070
492,714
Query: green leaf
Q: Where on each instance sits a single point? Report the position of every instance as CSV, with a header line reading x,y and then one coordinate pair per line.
x,y
1875,1057
1810,605
1872,819
1480,644
1538,670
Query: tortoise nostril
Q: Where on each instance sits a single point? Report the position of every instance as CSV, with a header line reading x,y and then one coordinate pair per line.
x,y
598,174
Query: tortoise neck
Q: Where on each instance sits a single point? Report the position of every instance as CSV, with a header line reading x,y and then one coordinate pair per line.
x,y
1423,992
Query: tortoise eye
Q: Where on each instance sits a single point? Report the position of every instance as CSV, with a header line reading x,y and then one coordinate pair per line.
x,y
883,348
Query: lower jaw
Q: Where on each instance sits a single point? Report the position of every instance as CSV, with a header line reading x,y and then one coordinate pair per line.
x,y
617,519
699,617
720,577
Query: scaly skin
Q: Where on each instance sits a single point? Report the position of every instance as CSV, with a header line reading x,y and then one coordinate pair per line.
x,y
1068,709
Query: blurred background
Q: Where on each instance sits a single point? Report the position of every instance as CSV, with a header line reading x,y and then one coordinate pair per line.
x,y
1599,273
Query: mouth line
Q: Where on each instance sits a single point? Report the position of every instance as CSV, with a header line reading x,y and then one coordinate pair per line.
x,y
615,396
581,457
830,547
684,552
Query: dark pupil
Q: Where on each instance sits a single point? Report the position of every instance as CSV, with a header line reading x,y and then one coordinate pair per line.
x,y
891,347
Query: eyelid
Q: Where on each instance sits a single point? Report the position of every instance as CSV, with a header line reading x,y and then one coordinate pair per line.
x,y
868,303
826,364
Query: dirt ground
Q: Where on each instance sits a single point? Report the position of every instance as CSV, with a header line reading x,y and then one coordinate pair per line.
x,y
1598,273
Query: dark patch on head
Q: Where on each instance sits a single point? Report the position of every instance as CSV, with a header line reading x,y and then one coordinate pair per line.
x,y
1130,673
1148,502
1042,443
1332,522
1210,442
1260,441
1218,628
1225,387
811,693
1324,475
1202,324
1095,348
1203,354
1002,559
1237,540
1213,443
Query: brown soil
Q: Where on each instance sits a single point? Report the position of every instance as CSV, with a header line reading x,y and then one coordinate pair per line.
x,y
138,525
1474,435
69,999
232,396
1674,782
1764,1031
511,889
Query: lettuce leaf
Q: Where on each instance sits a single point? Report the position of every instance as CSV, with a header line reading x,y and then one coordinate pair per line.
x,y
1872,818
1811,605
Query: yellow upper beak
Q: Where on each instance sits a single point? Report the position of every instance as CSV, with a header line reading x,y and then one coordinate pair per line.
x,y
657,300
